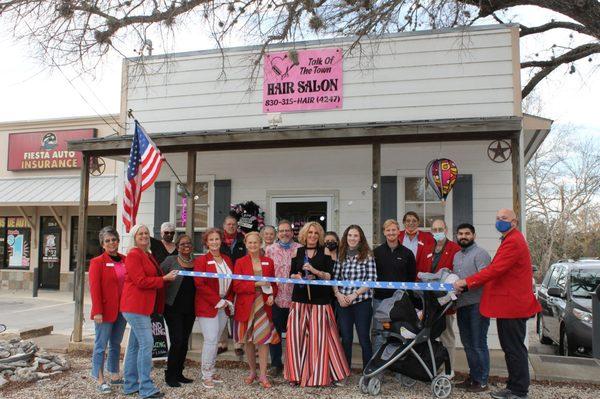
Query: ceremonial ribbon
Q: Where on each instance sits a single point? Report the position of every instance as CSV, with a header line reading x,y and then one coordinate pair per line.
x,y
394,285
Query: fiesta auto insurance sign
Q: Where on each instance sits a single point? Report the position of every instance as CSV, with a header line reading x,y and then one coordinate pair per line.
x,y
45,150
302,80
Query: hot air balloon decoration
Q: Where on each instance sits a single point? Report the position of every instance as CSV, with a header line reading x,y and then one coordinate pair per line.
x,y
441,175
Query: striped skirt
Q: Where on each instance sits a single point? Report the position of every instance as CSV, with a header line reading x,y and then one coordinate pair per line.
x,y
259,329
314,355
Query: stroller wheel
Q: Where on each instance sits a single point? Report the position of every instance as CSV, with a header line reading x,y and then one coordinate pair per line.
x,y
374,386
363,384
441,387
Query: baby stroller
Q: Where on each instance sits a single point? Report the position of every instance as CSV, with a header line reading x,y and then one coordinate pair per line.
x,y
412,320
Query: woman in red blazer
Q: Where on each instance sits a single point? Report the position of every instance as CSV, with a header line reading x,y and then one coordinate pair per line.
x,y
419,242
253,319
143,294
107,276
213,302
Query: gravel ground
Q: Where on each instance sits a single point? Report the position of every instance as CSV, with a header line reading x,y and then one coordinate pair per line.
x,y
77,384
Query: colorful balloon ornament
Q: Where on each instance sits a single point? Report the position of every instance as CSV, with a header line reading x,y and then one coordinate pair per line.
x,y
441,175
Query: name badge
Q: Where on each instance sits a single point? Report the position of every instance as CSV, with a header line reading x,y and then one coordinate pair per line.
x,y
264,263
429,255
421,243
110,265
211,262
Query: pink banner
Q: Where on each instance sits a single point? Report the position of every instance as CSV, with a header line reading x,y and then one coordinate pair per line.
x,y
310,81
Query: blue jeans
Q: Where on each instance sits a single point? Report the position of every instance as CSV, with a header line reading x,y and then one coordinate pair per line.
x,y
138,360
377,331
110,334
473,328
358,315
280,316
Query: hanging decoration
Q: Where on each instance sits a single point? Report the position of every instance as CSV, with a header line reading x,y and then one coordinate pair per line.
x,y
249,216
441,175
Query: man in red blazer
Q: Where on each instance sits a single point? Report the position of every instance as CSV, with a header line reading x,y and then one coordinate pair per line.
x,y
414,239
508,297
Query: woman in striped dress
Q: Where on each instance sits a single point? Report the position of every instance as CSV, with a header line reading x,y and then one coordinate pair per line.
x,y
253,319
314,353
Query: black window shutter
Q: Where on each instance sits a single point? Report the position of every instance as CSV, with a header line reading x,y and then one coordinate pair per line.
x,y
162,207
222,201
462,201
389,198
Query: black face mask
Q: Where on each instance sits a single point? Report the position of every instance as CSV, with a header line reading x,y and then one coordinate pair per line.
x,y
466,244
331,245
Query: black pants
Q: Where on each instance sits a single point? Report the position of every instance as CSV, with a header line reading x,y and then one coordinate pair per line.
x,y
511,333
180,327
280,316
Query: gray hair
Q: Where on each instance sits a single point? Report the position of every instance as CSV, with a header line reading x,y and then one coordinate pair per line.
x,y
267,226
107,231
134,230
167,226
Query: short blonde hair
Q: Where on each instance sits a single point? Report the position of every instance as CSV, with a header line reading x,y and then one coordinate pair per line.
x,y
134,230
389,222
304,233
253,233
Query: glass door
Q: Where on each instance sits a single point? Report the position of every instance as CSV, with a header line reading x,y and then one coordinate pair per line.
x,y
50,251
300,210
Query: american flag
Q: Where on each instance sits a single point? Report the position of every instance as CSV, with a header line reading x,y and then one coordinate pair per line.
x,y
143,168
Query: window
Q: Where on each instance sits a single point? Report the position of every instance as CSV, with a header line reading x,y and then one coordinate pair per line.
x,y
561,282
200,211
15,243
546,280
419,197
93,248
554,277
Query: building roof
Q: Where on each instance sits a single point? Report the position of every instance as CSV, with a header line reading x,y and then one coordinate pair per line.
x,y
56,191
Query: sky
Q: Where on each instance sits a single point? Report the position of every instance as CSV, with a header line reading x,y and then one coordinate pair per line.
x,y
31,90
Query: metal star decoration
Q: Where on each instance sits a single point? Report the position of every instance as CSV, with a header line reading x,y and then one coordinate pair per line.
x,y
499,151
97,166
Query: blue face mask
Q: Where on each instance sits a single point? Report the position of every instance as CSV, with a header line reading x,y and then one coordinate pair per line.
x,y
503,226
439,236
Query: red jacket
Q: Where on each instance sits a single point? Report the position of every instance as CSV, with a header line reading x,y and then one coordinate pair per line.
x,y
144,291
446,260
506,282
245,290
207,289
426,241
104,288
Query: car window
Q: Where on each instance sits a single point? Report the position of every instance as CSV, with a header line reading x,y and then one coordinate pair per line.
x,y
561,281
584,282
554,276
547,276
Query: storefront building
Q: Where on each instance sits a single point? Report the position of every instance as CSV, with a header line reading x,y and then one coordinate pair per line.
x,y
39,198
336,136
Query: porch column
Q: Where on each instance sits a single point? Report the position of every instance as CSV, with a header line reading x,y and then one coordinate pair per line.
x,y
81,248
191,188
516,176
376,191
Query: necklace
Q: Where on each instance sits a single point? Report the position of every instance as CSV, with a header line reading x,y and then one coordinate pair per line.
x,y
181,258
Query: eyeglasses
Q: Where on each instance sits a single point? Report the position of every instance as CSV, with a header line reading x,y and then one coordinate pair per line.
x,y
185,244
169,232
109,240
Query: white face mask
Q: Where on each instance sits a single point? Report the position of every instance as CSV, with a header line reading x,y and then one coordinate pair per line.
x,y
439,236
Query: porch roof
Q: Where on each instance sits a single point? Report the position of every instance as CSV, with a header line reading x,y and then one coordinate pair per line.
x,y
467,129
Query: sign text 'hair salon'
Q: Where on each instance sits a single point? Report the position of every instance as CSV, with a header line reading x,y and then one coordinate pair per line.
x,y
45,150
303,80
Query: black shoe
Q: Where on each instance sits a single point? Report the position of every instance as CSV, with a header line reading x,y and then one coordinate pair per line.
x,y
501,394
173,383
275,371
240,352
184,380
158,394
221,349
466,384
477,388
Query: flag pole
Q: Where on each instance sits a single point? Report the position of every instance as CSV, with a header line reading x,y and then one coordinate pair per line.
x,y
130,115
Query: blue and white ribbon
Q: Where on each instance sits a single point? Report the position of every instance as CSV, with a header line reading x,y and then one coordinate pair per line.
x,y
393,285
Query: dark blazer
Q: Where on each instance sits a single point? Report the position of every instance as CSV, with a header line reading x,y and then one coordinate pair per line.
x,y
245,291
144,291
238,250
170,263
319,295
104,288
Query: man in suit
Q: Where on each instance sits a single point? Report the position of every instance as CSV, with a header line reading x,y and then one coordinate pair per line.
x,y
508,297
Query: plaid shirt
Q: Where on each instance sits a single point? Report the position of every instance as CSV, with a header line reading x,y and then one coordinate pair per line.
x,y
353,269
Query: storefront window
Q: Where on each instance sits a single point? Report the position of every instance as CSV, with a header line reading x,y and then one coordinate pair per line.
x,y
419,197
201,207
15,243
93,248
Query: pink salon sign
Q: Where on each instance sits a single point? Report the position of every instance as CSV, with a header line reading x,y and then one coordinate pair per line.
x,y
313,81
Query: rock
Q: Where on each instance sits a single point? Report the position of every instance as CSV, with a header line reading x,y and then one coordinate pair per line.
x,y
42,360
49,365
2,381
4,353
